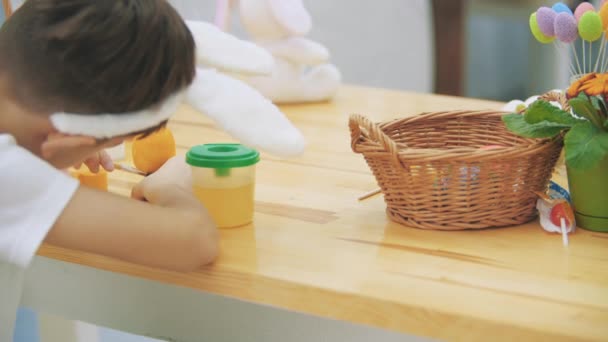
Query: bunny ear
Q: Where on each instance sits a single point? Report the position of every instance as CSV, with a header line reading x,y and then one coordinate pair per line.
x,y
222,14
298,50
218,49
292,15
244,113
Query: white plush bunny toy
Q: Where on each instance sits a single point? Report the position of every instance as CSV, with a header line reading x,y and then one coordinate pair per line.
x,y
302,72
235,106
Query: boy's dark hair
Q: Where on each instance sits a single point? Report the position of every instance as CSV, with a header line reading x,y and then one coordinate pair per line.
x,y
95,56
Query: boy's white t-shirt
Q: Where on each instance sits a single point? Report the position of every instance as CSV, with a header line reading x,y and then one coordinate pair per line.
x,y
32,196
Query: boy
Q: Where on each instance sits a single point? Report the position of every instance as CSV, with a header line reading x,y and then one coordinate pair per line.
x,y
91,57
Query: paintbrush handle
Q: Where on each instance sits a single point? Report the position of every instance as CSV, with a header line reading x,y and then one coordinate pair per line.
x,y
129,169
370,194
6,5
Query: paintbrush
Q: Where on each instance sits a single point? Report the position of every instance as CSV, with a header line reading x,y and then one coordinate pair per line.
x,y
130,169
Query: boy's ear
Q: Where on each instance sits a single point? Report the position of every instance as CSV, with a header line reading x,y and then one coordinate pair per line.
x,y
56,142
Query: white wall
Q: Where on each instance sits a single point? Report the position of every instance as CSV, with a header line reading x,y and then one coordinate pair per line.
x,y
382,43
503,60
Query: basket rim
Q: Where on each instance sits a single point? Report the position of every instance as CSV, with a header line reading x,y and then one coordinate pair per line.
x,y
406,153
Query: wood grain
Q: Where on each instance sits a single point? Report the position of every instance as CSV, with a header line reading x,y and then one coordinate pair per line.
x,y
315,248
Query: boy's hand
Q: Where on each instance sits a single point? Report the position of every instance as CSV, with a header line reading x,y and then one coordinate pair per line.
x,y
171,185
101,158
173,231
79,148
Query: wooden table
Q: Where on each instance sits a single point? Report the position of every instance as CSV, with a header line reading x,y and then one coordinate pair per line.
x,y
317,253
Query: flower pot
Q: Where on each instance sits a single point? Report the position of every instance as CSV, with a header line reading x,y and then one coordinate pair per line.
x,y
589,192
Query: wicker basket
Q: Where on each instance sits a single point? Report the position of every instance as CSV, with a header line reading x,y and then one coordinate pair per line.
x,y
437,172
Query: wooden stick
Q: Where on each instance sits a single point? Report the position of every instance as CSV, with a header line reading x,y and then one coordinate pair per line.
x,y
370,194
130,169
564,231
6,4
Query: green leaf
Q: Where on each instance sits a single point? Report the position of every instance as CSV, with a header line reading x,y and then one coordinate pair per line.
x,y
586,145
544,111
595,102
603,111
584,96
544,129
581,95
585,109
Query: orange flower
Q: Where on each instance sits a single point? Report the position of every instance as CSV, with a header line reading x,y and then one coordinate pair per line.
x,y
596,86
576,86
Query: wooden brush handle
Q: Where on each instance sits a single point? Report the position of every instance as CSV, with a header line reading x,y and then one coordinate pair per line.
x,y
8,10
130,169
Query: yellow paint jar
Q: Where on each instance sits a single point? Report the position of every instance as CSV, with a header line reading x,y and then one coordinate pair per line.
x,y
92,180
224,181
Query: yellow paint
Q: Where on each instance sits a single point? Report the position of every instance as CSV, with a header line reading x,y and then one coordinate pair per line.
x,y
93,180
229,207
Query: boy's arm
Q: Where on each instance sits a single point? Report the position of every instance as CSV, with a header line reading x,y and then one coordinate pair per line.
x,y
172,231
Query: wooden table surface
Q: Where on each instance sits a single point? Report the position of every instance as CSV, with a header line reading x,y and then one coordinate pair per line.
x,y
315,249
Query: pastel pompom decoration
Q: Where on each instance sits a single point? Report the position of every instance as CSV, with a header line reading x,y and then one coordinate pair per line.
x,y
583,8
536,32
566,27
604,15
561,8
546,21
590,26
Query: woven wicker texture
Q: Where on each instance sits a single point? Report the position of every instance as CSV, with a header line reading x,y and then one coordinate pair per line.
x,y
436,170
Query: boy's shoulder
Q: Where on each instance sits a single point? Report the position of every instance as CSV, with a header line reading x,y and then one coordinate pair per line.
x,y
19,162
9,150
12,153
32,196
6,140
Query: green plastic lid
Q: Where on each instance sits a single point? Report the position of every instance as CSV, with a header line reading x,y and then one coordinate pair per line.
x,y
222,156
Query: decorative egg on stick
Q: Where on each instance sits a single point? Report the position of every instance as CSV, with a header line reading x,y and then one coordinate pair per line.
x,y
603,12
560,7
583,8
566,31
561,26
542,26
566,27
537,32
545,17
590,30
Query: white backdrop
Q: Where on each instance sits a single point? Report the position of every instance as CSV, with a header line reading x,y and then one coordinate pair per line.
x,y
382,43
